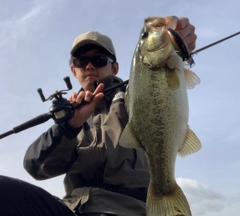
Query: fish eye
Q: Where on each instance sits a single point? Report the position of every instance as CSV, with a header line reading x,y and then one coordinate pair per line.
x,y
144,34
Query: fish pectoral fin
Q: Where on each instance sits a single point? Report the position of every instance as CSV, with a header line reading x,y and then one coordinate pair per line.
x,y
172,78
191,145
128,138
191,79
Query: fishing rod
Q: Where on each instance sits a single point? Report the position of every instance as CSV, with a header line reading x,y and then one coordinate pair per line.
x,y
212,44
62,110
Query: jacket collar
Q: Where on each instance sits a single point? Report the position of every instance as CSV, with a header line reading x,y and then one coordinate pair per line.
x,y
109,82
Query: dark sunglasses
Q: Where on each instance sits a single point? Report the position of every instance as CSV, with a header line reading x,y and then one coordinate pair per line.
x,y
97,61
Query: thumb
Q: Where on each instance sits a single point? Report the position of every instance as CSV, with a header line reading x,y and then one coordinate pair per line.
x,y
171,22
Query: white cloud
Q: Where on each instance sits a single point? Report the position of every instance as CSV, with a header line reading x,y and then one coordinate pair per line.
x,y
21,27
202,199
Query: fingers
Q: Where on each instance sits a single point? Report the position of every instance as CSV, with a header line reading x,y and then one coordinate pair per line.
x,y
77,99
72,97
97,94
187,31
84,103
87,96
191,42
99,89
182,23
171,21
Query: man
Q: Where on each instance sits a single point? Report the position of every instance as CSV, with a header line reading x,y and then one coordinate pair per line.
x,y
102,178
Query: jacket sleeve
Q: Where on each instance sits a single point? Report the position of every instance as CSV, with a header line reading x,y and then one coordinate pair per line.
x,y
53,153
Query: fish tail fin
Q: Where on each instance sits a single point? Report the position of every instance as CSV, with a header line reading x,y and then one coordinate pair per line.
x,y
172,204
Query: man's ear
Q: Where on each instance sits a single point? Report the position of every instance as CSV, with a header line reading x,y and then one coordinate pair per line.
x,y
73,71
115,68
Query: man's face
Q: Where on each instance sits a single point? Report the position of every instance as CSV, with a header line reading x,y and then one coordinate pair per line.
x,y
88,73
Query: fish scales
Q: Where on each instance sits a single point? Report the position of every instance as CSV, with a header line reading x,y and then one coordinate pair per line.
x,y
157,104
161,117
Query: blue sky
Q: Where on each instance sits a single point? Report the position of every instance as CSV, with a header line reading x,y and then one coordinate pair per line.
x,y
35,40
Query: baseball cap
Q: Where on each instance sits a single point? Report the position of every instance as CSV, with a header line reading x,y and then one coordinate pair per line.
x,y
94,38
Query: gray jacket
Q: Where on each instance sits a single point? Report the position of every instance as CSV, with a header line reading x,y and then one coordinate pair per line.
x,y
91,155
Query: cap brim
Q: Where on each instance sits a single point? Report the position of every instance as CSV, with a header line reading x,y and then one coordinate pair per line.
x,y
78,46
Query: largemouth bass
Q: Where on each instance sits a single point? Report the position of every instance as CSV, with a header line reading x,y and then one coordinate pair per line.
x,y
157,104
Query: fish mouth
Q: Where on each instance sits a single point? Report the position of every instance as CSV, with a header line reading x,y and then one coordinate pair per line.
x,y
160,23
155,22
154,38
155,47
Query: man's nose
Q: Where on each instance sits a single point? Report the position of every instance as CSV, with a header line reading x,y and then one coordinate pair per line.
x,y
90,66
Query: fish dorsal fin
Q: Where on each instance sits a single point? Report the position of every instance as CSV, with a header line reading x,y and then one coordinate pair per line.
x,y
191,79
191,144
128,138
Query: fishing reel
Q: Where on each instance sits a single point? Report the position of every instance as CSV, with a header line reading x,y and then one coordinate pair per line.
x,y
62,110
